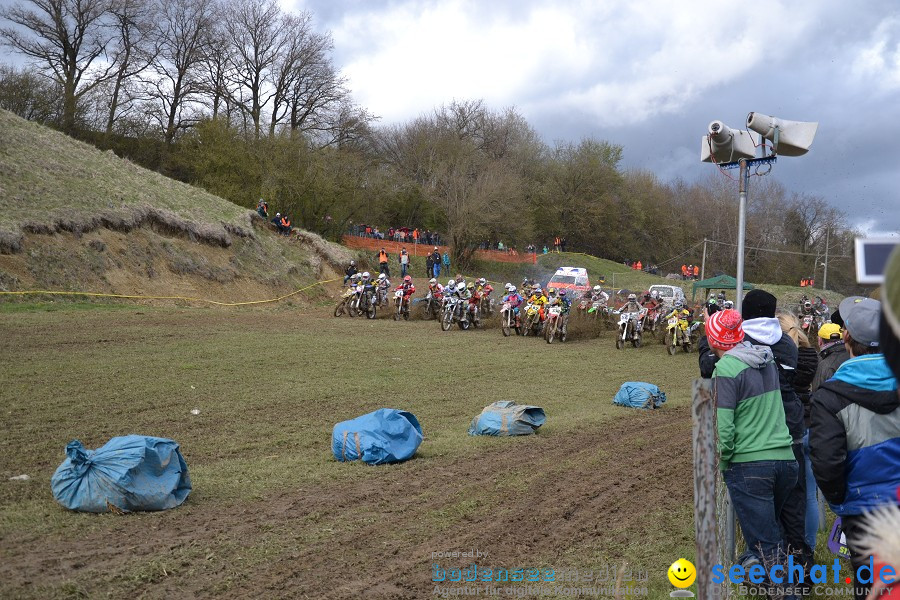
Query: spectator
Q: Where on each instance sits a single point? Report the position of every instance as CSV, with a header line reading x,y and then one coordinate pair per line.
x,y
262,208
276,221
404,262
285,225
684,271
855,431
500,246
383,263
436,262
446,262
754,443
429,266
563,243
832,353
350,271
545,249
696,272
807,363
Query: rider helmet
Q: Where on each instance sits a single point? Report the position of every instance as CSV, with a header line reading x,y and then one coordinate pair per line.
x,y
632,297
451,283
807,304
512,289
537,289
407,279
729,304
482,281
507,286
551,291
382,277
471,285
597,289
432,281
679,303
451,286
655,294
646,295
562,293
365,275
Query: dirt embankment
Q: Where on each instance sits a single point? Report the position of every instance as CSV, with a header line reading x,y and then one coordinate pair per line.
x,y
153,259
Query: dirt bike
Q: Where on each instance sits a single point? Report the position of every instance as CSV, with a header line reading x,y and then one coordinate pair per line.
x,y
694,332
630,329
651,320
509,320
473,314
380,296
361,303
343,305
401,306
486,305
453,313
554,325
676,335
431,307
533,322
598,308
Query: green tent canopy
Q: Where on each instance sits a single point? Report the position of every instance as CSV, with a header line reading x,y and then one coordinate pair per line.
x,y
720,282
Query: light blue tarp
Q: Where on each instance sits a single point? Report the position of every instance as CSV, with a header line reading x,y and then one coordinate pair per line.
x,y
507,418
638,394
384,436
132,472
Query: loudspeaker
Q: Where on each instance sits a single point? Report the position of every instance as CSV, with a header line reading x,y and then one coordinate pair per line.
x,y
725,145
794,137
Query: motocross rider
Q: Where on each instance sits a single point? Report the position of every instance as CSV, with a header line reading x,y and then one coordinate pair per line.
x,y
806,309
514,299
408,290
598,295
631,305
382,285
474,299
562,300
435,289
680,313
538,299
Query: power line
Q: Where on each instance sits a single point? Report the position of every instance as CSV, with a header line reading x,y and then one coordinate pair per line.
x,y
780,251
680,255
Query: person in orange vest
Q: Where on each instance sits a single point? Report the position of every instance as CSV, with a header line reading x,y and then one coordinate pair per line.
x,y
696,272
383,263
416,235
639,266
684,274
284,226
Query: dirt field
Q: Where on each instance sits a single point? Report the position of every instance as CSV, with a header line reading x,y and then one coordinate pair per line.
x,y
273,515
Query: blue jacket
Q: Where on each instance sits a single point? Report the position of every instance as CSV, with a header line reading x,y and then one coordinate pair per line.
x,y
854,436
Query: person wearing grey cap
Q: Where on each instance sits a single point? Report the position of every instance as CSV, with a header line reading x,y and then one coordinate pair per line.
x,y
854,435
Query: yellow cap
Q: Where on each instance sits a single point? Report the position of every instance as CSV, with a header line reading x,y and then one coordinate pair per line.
x,y
829,329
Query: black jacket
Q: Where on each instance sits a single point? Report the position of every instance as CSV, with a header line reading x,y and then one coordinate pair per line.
x,y
351,271
807,362
830,359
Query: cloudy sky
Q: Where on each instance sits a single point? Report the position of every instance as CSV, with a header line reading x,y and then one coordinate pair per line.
x,y
650,76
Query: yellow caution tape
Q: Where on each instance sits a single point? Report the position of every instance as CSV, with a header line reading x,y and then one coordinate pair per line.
x,y
185,298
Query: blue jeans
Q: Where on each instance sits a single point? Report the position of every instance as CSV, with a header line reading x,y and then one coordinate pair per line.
x,y
758,491
403,269
437,270
812,502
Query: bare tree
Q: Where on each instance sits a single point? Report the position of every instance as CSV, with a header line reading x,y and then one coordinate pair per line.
x,y
65,38
29,95
216,67
256,31
182,32
135,50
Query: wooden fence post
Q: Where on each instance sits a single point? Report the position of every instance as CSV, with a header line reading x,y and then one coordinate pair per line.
x,y
703,414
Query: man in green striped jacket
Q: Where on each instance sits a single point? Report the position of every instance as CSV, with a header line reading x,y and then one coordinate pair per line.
x,y
755,453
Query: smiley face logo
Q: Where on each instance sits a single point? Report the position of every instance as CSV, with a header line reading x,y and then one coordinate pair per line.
x,y
682,573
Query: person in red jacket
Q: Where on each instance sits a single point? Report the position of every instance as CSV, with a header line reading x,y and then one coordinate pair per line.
x,y
408,290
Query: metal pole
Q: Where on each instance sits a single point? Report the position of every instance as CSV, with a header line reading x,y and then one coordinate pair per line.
x,y
742,217
703,262
825,275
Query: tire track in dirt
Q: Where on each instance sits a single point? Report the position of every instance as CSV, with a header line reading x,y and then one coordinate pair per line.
x,y
374,537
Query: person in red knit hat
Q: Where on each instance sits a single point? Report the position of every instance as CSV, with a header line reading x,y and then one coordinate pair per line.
x,y
754,445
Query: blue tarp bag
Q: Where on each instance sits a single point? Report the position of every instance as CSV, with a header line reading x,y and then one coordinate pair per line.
x,y
384,436
638,394
132,472
507,418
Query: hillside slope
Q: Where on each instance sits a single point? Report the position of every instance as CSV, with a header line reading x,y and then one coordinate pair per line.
x,y
75,218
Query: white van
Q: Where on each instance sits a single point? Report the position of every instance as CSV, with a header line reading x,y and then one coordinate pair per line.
x,y
668,294
574,279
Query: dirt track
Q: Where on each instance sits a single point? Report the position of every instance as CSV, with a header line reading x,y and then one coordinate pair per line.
x,y
374,538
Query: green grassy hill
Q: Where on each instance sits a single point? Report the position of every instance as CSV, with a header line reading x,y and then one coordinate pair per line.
x,y
75,218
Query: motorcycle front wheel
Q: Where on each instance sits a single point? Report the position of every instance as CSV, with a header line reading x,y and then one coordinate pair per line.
x,y
505,327
447,320
670,344
636,341
340,309
550,332
464,325
620,343
353,310
370,314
